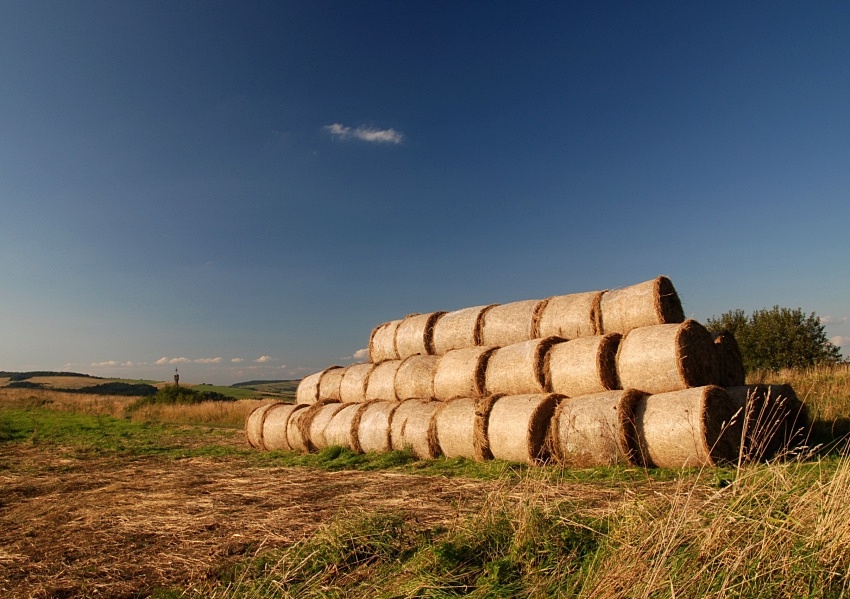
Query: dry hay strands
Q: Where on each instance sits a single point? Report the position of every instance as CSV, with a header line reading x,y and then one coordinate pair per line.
x,y
308,391
415,335
775,421
520,368
459,329
462,373
511,323
410,428
330,383
596,429
583,366
571,316
373,426
453,428
481,431
667,357
696,427
729,361
341,430
415,377
276,426
382,342
645,304
314,421
352,389
518,427
254,425
295,429
381,382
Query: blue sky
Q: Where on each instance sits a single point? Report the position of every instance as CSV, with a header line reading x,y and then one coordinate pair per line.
x,y
244,189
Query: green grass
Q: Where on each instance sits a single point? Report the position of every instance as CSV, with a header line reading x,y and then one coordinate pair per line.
x,y
234,392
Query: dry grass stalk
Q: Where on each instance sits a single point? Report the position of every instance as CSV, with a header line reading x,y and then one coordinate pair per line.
x,y
667,357
410,428
415,377
519,368
459,329
519,425
381,382
276,426
644,304
462,373
775,421
596,429
453,428
254,425
571,316
352,389
730,364
373,429
511,323
583,366
382,342
695,427
415,335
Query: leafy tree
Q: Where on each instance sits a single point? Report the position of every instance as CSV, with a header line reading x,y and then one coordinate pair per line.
x,y
777,338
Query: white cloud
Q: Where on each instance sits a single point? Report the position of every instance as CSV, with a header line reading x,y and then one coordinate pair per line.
x,y
833,319
208,360
263,359
361,354
115,363
161,361
840,340
179,361
237,360
364,133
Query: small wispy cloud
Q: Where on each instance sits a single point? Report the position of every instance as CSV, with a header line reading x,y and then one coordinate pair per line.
x,y
115,363
180,360
161,361
833,319
237,360
263,359
361,354
208,360
364,133
840,340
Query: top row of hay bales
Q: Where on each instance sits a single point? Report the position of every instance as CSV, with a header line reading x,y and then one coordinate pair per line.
x,y
565,316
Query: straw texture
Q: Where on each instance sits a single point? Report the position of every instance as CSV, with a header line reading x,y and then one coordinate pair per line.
x,y
382,342
314,422
295,431
459,329
690,428
596,429
415,377
415,335
254,425
330,382
339,430
308,389
381,383
729,361
481,431
462,373
453,427
645,304
571,316
410,428
275,426
583,366
352,389
667,357
518,426
775,420
507,324
373,429
519,368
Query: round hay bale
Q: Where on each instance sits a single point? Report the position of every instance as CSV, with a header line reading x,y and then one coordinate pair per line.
x,y
453,428
690,428
518,427
295,429
775,421
254,425
481,431
459,329
415,335
275,426
729,361
415,377
583,366
667,357
519,369
381,383
373,428
645,304
462,373
352,389
511,323
308,389
382,342
410,427
338,430
595,429
330,382
312,423
571,316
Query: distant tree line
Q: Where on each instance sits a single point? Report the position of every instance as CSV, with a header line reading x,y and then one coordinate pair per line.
x,y
22,376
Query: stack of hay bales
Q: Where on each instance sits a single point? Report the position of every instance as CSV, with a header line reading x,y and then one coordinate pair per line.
x,y
587,379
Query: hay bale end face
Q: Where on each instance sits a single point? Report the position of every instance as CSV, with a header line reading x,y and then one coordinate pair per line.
x,y
275,426
459,329
775,421
453,428
410,428
295,429
382,342
596,429
308,389
339,429
645,304
667,357
373,426
415,335
352,389
415,377
381,382
519,368
254,425
330,382
462,373
690,428
314,421
511,323
583,366
571,316
729,361
518,427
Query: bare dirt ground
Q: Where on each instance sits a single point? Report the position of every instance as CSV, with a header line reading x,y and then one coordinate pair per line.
x,y
122,527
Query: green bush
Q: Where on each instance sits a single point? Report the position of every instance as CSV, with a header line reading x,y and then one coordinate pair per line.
x,y
174,394
771,339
